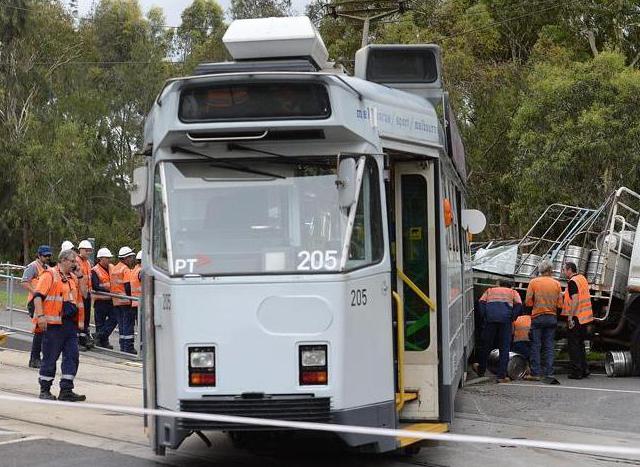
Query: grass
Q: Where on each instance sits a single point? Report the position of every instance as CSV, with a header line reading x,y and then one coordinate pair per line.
x,y
19,295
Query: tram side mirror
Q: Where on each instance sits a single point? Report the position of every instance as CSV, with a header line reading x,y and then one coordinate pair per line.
x,y
139,189
346,183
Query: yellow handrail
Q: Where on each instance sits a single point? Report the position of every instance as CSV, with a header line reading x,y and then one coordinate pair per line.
x,y
400,343
416,289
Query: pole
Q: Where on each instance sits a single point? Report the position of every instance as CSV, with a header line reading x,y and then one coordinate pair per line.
x,y
365,32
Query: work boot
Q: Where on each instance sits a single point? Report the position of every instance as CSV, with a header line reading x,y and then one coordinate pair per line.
x,y
91,343
105,344
35,363
531,378
506,379
69,396
476,369
573,376
46,395
131,351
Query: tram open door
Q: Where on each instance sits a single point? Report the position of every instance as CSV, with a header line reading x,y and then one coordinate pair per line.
x,y
417,321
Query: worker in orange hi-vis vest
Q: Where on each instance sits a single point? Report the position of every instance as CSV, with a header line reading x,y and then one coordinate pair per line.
x,y
121,285
84,265
29,281
543,301
577,309
521,342
499,307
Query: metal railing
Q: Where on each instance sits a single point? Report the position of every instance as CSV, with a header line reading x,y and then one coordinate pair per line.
x,y
14,317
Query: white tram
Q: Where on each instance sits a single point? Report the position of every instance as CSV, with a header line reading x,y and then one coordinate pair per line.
x,y
293,216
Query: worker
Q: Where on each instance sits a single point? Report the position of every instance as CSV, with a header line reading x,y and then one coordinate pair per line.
x,y
577,309
121,285
499,307
29,281
521,340
543,300
67,245
56,315
136,284
102,304
84,263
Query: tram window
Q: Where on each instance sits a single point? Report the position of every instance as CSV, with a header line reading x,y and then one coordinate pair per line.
x,y
254,101
402,66
367,245
159,239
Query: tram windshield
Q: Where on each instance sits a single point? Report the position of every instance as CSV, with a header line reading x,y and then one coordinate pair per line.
x,y
264,217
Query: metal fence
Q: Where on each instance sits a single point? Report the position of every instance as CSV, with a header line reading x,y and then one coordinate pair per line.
x,y
14,316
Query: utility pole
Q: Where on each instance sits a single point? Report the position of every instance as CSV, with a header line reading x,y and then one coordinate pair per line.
x,y
365,12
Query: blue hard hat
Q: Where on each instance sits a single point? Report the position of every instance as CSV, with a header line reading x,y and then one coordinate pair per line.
x,y
44,250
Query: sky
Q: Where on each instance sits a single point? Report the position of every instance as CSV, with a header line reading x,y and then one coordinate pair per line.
x,y
173,8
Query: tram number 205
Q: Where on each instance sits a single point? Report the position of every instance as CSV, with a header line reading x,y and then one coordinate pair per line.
x,y
358,297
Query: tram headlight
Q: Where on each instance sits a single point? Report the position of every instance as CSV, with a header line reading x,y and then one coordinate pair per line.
x,y
202,366
313,369
201,360
313,357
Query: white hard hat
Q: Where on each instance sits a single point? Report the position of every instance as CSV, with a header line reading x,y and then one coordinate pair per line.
x,y
85,244
125,251
66,245
104,253
139,255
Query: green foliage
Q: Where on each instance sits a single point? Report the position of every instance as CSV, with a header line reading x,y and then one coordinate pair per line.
x,y
242,9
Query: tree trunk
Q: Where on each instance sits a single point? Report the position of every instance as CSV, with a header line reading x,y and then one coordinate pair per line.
x,y
25,242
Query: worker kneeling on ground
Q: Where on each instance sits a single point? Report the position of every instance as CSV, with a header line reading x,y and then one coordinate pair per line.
x,y
521,340
499,307
57,316
543,300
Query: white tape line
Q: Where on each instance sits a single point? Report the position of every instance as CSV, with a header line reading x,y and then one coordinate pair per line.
x,y
21,440
574,447
562,386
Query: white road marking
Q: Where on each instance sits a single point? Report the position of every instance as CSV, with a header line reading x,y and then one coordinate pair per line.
x,y
21,440
327,427
560,386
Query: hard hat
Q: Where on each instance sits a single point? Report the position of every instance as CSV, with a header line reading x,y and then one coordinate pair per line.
x,y
85,244
139,255
66,245
104,253
125,251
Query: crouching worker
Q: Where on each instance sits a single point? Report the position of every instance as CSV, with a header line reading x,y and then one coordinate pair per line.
x,y
499,307
521,331
57,316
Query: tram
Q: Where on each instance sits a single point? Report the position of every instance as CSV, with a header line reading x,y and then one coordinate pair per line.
x,y
305,240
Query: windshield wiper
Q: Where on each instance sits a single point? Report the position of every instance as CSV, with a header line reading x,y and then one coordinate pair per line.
x,y
226,164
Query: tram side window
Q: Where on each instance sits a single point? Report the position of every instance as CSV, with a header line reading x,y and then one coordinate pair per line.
x,y
367,244
159,235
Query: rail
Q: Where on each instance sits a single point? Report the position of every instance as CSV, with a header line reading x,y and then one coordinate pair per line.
x,y
17,323
400,344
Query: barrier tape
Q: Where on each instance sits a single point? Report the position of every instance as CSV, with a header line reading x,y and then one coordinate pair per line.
x,y
327,427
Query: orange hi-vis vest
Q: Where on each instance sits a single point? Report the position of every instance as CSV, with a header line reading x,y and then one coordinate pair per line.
x,y
85,269
583,310
136,285
105,281
119,277
34,280
55,291
544,295
521,328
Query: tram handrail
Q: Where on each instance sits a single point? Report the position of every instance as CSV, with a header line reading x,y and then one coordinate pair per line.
x,y
400,343
425,298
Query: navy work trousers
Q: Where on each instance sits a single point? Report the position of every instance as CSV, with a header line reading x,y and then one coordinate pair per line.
x,y
503,331
577,355
85,331
523,348
126,319
543,332
59,339
105,320
36,346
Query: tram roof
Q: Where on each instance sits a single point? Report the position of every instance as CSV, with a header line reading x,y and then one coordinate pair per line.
x,y
361,112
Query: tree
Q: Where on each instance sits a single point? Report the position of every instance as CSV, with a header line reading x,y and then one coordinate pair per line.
x,y
243,9
199,36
